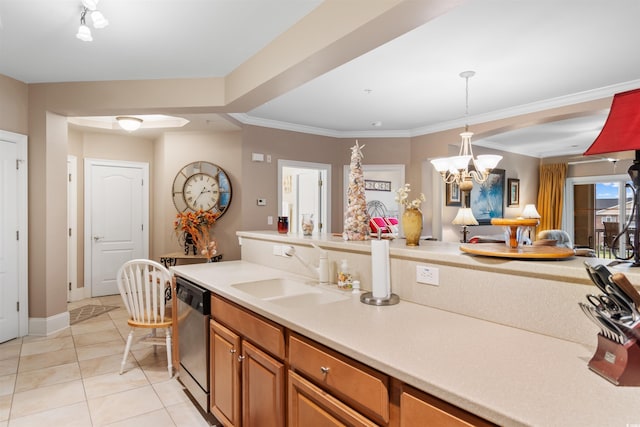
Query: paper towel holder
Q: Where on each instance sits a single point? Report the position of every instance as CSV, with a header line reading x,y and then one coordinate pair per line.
x,y
368,298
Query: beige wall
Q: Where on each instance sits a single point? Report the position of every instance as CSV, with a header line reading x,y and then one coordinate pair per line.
x,y
14,101
174,151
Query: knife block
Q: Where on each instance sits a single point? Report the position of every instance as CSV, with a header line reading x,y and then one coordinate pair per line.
x,y
617,363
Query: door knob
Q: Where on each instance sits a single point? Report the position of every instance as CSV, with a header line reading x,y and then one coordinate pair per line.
x,y
96,238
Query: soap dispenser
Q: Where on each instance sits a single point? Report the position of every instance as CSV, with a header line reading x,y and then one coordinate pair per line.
x,y
345,278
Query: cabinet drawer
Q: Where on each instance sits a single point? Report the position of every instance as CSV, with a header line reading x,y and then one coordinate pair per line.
x,y
420,409
352,382
264,333
311,406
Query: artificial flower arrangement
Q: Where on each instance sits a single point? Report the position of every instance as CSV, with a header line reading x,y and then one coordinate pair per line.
x,y
197,224
403,198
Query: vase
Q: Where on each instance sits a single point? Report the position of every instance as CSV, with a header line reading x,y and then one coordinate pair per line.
x,y
412,226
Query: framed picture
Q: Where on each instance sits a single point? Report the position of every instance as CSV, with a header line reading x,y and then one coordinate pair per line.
x,y
513,185
487,199
453,195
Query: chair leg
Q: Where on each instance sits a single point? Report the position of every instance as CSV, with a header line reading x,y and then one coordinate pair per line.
x,y
126,351
169,356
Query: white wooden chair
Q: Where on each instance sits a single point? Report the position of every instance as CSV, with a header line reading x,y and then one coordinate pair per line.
x,y
142,284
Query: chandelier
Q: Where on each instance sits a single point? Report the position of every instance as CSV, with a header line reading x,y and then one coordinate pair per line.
x,y
456,169
98,19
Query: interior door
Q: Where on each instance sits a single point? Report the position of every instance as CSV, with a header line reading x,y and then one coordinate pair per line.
x,y
116,209
309,198
9,321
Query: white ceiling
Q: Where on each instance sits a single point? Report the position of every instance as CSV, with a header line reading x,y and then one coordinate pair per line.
x,y
529,55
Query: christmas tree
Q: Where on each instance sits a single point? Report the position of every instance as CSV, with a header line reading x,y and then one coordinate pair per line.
x,y
356,217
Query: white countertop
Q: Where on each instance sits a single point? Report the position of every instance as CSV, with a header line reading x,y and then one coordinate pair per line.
x,y
506,375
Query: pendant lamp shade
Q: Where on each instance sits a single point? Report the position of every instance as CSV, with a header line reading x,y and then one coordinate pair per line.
x,y
621,131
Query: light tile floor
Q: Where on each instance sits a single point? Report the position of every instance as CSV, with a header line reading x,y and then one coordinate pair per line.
x,y
72,379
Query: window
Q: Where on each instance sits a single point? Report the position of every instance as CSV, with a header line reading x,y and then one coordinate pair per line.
x,y
592,201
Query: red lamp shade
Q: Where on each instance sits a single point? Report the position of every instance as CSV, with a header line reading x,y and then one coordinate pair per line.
x,y
621,131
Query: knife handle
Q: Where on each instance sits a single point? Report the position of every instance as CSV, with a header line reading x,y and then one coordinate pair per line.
x,y
623,283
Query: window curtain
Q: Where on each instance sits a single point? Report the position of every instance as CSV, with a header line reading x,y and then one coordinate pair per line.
x,y
551,195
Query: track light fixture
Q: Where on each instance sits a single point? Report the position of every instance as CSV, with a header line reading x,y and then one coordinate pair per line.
x,y
98,19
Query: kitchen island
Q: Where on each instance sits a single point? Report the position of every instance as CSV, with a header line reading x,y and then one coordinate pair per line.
x,y
494,368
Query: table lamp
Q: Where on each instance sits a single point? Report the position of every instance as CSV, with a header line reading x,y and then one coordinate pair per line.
x,y
621,132
530,211
464,217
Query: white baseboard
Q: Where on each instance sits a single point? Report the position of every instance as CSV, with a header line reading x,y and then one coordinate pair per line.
x,y
41,326
78,294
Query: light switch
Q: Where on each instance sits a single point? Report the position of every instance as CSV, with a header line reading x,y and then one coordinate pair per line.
x,y
257,157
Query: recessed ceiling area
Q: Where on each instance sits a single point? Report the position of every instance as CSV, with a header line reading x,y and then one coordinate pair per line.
x,y
566,137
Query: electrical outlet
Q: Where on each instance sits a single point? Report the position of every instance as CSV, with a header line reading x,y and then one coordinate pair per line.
x,y
427,275
269,220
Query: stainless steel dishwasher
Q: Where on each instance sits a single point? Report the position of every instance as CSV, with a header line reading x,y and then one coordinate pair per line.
x,y
194,310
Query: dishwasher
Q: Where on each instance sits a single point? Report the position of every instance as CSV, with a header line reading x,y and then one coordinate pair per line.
x,y
194,310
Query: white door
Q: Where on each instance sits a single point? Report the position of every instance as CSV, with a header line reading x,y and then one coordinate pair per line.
x,y
303,187
9,321
72,226
308,188
116,206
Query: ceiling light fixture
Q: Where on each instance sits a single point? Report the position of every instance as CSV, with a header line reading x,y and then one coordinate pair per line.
x,y
98,19
455,169
129,123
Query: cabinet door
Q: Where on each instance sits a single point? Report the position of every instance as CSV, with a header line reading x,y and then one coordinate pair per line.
x,y
262,388
225,375
311,406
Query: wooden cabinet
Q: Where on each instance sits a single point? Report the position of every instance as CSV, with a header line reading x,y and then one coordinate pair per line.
x,y
359,386
251,386
225,374
247,369
421,409
263,382
311,406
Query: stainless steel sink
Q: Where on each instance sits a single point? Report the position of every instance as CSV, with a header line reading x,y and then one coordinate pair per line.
x,y
290,293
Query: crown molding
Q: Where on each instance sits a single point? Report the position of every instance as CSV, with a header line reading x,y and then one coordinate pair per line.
x,y
548,104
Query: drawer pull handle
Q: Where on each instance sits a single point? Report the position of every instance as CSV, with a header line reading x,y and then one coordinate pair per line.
x,y
240,358
324,370
232,351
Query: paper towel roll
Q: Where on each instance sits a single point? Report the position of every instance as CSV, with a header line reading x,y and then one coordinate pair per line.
x,y
380,272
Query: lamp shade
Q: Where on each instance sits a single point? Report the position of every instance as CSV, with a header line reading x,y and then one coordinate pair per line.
x,y
621,131
99,21
129,123
84,33
464,217
530,211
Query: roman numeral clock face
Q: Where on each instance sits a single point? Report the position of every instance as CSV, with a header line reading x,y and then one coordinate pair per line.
x,y
202,185
201,192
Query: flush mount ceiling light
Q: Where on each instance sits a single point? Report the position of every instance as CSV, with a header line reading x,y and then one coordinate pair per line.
x,y
129,123
98,19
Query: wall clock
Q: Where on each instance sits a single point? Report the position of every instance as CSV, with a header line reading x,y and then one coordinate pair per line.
x,y
202,185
